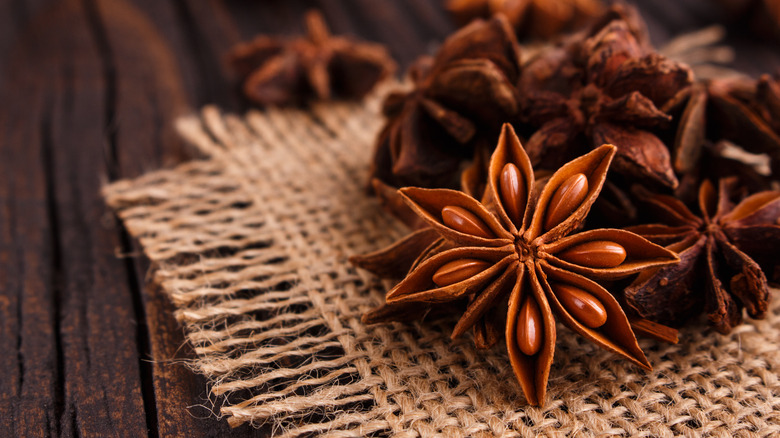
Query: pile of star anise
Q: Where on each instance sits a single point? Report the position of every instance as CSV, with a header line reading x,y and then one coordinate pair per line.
x,y
501,157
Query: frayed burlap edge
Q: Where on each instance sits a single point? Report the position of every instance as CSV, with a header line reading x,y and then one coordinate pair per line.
x,y
251,246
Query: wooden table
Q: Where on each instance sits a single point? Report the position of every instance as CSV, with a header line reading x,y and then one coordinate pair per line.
x,y
89,91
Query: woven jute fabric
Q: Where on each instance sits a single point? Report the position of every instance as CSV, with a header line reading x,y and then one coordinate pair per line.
x,y
251,245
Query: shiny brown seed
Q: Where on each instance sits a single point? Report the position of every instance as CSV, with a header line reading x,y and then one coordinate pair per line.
x,y
529,328
458,270
566,199
595,254
583,306
460,219
513,193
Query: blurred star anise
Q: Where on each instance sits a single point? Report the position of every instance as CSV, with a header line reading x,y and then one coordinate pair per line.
x,y
608,88
460,96
277,71
747,112
726,249
720,117
512,255
533,18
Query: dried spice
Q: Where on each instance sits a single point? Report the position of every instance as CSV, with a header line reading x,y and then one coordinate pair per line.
x,y
533,18
277,71
728,127
721,160
458,98
730,248
607,88
746,112
767,100
512,254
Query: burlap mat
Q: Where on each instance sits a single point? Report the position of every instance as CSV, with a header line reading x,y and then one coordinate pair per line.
x,y
251,245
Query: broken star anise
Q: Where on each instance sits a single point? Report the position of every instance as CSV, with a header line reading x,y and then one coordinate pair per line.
x,y
277,71
510,255
729,248
533,18
461,95
608,88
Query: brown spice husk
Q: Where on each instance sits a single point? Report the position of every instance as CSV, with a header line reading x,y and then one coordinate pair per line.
x,y
729,247
457,100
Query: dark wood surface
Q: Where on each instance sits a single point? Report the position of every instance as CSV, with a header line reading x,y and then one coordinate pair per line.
x,y
88,93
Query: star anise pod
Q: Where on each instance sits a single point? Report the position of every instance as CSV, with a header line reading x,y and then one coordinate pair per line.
x,y
533,18
745,111
729,248
721,160
512,255
458,97
608,88
278,71
721,120
767,99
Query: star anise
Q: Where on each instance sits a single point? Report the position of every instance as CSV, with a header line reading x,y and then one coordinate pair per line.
x,y
725,248
745,111
462,94
510,255
609,88
767,99
278,71
721,160
533,18
719,121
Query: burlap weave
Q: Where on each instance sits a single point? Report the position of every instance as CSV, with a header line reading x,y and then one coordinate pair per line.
x,y
251,245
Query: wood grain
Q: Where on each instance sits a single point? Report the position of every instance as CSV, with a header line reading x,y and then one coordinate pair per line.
x,y
90,89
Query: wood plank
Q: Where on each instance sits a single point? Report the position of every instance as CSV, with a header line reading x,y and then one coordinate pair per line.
x,y
387,24
210,34
169,25
14,17
96,390
149,96
431,18
102,382
29,378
